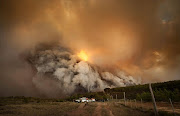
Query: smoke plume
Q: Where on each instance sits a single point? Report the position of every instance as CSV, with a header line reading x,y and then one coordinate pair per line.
x,y
60,73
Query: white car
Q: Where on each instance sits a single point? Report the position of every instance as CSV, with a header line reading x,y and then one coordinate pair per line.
x,y
84,99
77,100
93,100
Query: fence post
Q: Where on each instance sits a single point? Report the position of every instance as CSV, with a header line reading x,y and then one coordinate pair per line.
x,y
124,98
135,103
109,97
127,102
172,106
153,99
116,97
141,103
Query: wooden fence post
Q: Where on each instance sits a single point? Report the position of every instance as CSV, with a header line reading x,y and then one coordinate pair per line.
x,y
109,97
153,99
172,106
124,98
141,103
135,103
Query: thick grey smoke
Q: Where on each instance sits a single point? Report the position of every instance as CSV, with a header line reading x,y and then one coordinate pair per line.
x,y
61,73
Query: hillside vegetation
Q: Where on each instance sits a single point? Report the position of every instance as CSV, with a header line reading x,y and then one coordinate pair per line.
x,y
162,91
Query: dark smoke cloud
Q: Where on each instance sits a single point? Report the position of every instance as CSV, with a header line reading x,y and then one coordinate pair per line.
x,y
59,73
141,38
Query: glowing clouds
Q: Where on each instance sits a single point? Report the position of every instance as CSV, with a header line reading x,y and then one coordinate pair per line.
x,y
83,55
67,75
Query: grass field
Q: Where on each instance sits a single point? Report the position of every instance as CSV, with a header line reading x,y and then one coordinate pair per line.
x,y
29,106
73,109
69,109
145,106
39,109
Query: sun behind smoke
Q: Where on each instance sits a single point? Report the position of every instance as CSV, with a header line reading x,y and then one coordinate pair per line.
x,y
83,55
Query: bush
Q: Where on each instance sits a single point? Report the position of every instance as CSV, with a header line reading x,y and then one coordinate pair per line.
x,y
146,96
162,91
26,100
160,95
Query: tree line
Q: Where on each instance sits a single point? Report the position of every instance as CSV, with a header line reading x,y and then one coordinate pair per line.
x,y
162,91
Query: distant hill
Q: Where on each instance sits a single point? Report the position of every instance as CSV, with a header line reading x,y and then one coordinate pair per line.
x,y
162,91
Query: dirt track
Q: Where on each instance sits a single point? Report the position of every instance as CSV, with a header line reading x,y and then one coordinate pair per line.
x,y
77,112
105,109
98,111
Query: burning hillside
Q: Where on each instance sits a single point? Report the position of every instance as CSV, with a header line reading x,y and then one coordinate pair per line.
x,y
59,72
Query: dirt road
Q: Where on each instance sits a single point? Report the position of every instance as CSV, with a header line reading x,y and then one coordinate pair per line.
x,y
77,112
102,108
106,109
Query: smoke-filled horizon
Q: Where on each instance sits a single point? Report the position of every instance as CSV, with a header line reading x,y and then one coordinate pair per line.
x,y
140,39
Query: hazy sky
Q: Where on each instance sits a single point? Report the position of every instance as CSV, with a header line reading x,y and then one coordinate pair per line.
x,y
140,37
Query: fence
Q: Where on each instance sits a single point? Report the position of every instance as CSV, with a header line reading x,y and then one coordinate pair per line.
x,y
133,103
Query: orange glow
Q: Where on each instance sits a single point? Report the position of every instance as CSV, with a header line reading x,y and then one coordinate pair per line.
x,y
83,55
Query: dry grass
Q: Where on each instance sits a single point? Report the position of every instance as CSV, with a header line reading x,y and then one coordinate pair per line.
x,y
121,110
104,111
90,108
162,106
46,108
40,109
